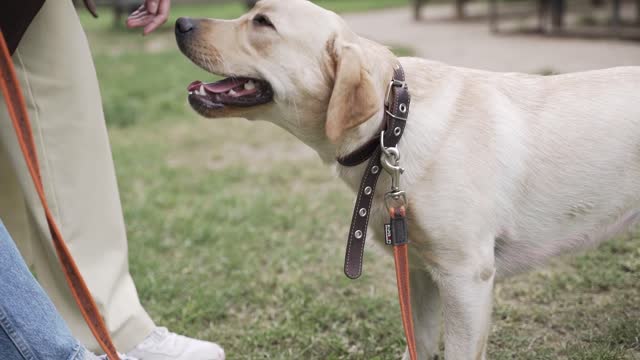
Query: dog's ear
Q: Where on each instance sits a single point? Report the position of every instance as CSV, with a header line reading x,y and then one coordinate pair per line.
x,y
354,98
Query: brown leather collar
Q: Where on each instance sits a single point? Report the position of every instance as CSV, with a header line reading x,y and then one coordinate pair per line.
x,y
366,150
361,154
396,110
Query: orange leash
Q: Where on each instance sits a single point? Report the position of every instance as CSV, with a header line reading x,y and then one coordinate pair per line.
x,y
20,119
401,259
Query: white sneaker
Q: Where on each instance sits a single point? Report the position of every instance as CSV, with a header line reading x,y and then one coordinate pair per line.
x,y
122,357
162,344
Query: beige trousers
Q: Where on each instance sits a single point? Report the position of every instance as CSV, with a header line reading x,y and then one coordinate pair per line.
x,y
56,71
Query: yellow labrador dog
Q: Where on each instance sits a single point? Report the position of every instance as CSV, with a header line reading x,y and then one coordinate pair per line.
x,y
504,171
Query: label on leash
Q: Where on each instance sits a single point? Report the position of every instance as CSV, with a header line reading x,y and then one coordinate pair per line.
x,y
387,234
399,230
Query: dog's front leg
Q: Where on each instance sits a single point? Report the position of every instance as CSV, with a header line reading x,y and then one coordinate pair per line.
x,y
466,287
427,314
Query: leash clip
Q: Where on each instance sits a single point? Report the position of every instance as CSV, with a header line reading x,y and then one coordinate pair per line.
x,y
390,160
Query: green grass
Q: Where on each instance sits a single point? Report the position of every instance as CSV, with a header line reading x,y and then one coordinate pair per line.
x,y
236,234
234,9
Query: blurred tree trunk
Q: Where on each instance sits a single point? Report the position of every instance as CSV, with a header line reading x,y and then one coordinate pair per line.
x,y
493,15
615,14
417,5
543,13
460,13
118,9
558,8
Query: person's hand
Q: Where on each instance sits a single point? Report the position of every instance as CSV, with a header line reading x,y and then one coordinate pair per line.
x,y
150,15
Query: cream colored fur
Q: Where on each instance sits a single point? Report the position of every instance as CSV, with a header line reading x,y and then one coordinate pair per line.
x,y
503,170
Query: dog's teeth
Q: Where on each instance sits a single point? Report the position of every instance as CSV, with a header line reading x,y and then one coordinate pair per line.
x,y
249,85
190,92
232,93
201,91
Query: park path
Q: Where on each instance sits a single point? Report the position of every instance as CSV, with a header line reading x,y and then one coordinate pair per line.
x,y
471,44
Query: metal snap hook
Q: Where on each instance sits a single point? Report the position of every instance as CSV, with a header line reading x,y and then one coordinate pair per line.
x,y
389,151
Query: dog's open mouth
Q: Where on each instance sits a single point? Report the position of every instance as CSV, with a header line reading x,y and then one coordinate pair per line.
x,y
232,91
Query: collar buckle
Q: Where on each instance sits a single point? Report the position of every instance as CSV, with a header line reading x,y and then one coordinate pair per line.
x,y
393,83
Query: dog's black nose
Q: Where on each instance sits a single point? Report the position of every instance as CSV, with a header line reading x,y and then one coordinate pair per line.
x,y
184,25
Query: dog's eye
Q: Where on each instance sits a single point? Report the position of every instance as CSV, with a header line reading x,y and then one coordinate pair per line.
x,y
262,20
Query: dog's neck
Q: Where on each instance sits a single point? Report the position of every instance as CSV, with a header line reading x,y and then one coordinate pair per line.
x,y
378,57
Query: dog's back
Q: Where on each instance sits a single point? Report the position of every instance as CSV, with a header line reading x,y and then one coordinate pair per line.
x,y
578,157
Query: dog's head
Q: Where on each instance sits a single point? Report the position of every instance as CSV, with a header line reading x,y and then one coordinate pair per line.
x,y
286,61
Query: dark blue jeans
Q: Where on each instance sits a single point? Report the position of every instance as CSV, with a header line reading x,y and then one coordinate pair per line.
x,y
30,326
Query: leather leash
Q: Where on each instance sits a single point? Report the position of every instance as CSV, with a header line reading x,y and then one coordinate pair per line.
x,y
382,153
17,110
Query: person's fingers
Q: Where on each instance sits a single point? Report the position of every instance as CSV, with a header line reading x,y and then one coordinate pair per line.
x,y
152,6
153,25
140,21
151,15
133,19
140,9
138,15
161,17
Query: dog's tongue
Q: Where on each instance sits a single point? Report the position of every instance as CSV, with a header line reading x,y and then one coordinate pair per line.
x,y
217,87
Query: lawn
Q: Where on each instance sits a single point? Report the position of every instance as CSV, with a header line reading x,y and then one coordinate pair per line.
x,y
231,10
237,233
